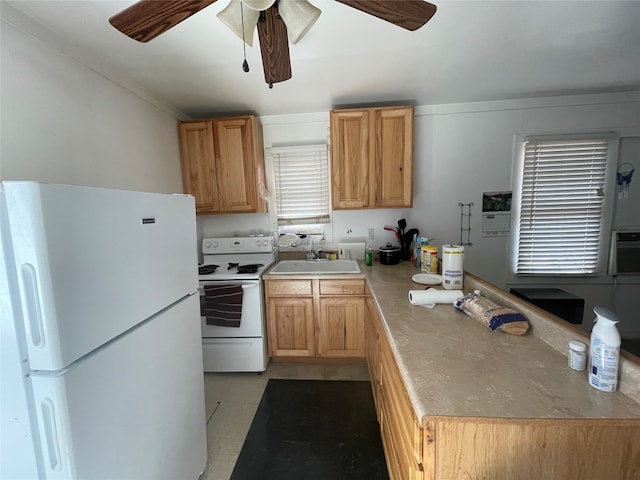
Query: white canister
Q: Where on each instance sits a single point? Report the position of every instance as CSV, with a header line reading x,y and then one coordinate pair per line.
x,y
452,267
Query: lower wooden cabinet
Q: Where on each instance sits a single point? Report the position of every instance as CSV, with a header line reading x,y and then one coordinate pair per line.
x,y
341,327
401,432
316,318
372,350
291,332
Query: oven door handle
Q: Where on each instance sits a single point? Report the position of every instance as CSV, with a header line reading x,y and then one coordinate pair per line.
x,y
245,286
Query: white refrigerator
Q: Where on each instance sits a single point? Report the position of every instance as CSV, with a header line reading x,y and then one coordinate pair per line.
x,y
102,373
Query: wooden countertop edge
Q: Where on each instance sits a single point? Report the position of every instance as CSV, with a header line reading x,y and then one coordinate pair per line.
x,y
613,422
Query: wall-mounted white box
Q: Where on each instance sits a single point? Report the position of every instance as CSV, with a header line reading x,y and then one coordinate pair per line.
x,y
353,250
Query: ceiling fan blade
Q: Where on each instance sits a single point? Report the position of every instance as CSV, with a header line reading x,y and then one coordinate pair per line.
x,y
274,46
408,14
146,19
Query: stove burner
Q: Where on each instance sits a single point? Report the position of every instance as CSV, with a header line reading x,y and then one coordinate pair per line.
x,y
251,268
207,269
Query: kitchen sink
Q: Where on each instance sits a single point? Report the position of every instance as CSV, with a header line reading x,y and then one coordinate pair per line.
x,y
291,267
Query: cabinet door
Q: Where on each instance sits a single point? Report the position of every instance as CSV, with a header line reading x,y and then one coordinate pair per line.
x,y
350,159
373,352
197,156
237,165
290,327
341,327
393,157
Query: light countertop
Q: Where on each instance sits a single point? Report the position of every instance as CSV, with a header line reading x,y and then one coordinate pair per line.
x,y
454,366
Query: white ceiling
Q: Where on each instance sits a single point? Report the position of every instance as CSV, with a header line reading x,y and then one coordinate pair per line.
x,y
469,51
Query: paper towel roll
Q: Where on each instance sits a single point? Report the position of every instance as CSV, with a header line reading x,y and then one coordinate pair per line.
x,y
452,266
430,297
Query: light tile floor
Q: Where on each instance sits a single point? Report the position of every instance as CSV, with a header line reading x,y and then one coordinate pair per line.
x,y
232,400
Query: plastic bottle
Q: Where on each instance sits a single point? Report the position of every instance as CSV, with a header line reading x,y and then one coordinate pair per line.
x,y
604,351
412,247
577,355
368,255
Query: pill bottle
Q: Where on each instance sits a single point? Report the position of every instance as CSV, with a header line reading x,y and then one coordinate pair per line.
x,y
577,356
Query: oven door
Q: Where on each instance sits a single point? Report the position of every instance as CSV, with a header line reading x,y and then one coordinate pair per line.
x,y
251,321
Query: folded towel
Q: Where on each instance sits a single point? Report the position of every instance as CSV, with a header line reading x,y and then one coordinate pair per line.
x,y
223,305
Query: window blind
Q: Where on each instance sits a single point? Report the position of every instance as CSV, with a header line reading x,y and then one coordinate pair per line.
x,y
561,209
301,177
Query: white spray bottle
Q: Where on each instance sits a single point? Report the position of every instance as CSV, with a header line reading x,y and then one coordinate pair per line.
x,y
604,352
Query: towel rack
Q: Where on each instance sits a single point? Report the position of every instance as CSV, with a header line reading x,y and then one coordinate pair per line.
x,y
465,214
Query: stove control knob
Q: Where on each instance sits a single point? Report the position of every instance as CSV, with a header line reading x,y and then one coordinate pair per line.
x,y
207,244
257,243
265,243
215,245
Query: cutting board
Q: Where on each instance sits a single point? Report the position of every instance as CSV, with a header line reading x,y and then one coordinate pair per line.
x,y
356,249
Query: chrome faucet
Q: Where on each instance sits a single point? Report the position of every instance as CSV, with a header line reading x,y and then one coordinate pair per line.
x,y
311,254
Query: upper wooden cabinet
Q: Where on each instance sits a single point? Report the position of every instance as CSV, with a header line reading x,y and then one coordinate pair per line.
x,y
223,164
372,158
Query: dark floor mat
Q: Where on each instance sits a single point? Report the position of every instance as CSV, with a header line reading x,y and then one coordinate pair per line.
x,y
313,430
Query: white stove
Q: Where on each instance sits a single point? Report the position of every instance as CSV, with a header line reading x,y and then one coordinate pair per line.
x,y
232,303
234,256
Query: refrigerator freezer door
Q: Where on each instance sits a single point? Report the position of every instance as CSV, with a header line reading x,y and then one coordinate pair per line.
x,y
92,263
132,410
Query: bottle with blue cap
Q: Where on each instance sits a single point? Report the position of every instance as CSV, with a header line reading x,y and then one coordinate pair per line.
x,y
604,351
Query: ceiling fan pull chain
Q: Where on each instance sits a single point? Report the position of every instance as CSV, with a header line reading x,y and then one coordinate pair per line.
x,y
245,64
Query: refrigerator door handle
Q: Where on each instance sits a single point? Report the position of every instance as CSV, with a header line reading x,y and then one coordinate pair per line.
x,y
51,434
32,304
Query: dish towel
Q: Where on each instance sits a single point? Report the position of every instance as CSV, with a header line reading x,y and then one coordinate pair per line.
x,y
223,305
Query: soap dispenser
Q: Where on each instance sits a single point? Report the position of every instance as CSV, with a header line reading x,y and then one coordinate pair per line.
x,y
604,351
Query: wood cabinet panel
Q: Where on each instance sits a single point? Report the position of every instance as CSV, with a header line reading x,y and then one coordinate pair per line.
x,y
197,157
341,327
341,287
401,431
399,463
504,449
223,164
350,166
401,419
393,157
372,157
237,165
290,327
372,351
288,287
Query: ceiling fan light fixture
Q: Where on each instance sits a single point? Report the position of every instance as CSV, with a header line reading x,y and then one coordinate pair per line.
x,y
299,16
259,5
233,15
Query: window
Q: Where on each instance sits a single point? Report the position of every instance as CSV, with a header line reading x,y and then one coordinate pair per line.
x,y
564,205
301,176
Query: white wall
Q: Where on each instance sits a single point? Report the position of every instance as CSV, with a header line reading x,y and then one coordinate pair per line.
x,y
62,122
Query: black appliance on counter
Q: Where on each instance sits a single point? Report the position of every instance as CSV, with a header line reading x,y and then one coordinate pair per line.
x,y
558,302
